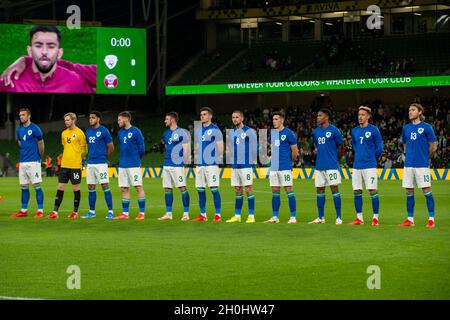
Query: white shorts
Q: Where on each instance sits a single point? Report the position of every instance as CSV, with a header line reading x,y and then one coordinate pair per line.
x,y
97,173
422,177
368,176
30,172
173,177
241,177
207,176
281,178
130,177
325,178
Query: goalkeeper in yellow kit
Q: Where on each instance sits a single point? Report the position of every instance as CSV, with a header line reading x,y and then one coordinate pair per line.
x,y
75,150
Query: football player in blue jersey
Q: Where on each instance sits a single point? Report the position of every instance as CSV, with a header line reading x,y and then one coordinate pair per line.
x,y
100,148
178,152
419,141
31,145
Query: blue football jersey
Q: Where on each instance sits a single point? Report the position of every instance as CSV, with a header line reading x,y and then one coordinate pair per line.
x,y
417,138
327,141
206,138
132,147
281,152
368,146
29,137
174,141
245,146
97,141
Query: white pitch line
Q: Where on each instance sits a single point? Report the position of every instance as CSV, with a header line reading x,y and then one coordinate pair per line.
x,y
18,298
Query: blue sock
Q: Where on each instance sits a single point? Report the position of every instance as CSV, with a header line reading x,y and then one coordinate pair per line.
x,y
375,202
202,200
169,201
251,204
126,205
292,203
337,204
430,203
276,203
239,203
321,204
141,203
186,199
410,204
358,201
217,200
108,199
25,197
92,200
39,198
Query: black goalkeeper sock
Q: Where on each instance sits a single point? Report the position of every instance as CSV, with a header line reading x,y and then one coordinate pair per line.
x,y
76,200
58,199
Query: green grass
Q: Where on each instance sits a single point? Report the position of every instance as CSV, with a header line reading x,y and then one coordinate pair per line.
x,y
174,260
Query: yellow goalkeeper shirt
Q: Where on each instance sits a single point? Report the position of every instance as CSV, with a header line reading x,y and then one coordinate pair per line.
x,y
75,148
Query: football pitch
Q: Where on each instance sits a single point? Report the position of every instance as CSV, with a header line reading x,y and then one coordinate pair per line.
x,y
154,259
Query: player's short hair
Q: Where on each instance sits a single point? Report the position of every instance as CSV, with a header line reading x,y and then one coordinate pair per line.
x,y
173,115
326,111
26,110
207,109
420,108
71,115
239,111
125,114
366,108
279,113
98,114
45,28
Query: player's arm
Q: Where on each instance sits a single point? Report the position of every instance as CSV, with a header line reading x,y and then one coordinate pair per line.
x,y
140,144
41,147
83,145
378,144
110,149
220,148
17,68
432,148
340,142
294,152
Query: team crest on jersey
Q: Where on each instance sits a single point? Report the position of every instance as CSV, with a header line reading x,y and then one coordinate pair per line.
x,y
368,134
175,137
243,135
130,134
420,130
277,143
283,137
328,134
30,132
98,134
74,136
209,132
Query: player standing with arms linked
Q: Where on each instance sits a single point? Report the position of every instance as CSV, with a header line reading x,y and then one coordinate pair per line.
x,y
100,148
419,143
284,152
132,148
328,141
31,145
75,150
178,152
368,146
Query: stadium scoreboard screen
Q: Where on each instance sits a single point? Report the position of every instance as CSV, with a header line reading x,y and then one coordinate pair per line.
x,y
121,57
85,61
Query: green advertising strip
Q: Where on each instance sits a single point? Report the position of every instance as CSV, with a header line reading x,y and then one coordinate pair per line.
x,y
310,85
